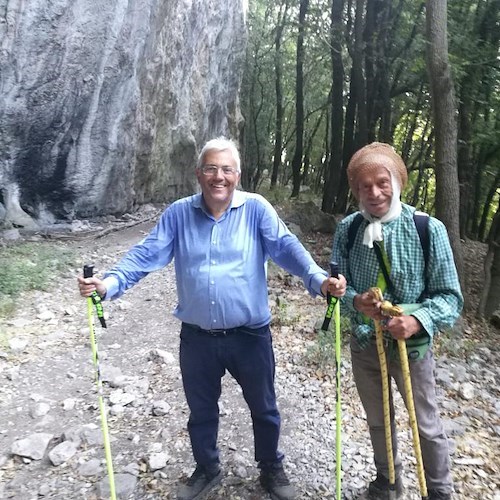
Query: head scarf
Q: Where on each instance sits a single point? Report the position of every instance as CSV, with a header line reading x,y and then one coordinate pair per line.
x,y
367,159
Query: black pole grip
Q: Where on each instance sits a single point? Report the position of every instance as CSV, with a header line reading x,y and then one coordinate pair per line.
x,y
334,273
88,271
334,269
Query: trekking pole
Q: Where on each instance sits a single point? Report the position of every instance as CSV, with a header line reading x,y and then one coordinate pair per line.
x,y
390,310
405,368
338,419
334,307
95,300
385,399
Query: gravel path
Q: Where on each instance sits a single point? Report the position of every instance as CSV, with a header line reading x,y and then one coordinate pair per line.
x,y
49,410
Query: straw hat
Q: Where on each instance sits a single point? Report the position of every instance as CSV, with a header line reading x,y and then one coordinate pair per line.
x,y
369,158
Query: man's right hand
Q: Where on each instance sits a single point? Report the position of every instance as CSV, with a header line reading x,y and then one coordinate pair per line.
x,y
368,305
89,285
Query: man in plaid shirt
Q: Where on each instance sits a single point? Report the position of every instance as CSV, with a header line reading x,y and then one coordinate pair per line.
x,y
428,292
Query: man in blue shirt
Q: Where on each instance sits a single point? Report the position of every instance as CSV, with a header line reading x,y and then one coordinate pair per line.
x,y
220,241
429,293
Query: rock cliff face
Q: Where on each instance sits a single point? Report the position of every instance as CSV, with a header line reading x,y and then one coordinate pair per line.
x,y
105,103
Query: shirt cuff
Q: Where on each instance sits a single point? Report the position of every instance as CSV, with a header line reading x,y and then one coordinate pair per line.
x,y
348,299
425,320
112,287
316,282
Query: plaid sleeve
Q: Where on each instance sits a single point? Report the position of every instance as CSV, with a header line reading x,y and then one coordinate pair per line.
x,y
362,276
445,301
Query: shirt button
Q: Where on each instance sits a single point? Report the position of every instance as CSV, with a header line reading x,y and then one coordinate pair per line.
x,y
213,262
212,282
215,321
213,302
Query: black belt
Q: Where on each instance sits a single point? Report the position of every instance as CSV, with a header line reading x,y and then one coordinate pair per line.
x,y
224,332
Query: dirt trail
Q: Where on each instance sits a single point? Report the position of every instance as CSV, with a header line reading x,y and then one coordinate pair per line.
x,y
48,387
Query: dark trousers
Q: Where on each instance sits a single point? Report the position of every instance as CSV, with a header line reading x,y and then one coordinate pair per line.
x,y
247,354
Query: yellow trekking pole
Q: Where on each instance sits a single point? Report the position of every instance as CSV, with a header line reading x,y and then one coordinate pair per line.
x,y
389,309
338,402
95,300
379,337
405,367
334,308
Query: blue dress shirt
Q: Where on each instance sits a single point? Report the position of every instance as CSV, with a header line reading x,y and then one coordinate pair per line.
x,y
220,265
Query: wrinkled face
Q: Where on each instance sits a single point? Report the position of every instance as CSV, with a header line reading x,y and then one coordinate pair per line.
x,y
375,189
217,187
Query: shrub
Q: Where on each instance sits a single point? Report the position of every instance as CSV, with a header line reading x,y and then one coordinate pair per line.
x,y
29,266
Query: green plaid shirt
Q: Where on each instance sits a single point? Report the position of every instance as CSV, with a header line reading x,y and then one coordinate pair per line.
x,y
443,303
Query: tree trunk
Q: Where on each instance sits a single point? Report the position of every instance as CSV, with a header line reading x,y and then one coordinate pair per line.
x,y
337,109
490,298
299,102
444,109
278,70
466,174
486,208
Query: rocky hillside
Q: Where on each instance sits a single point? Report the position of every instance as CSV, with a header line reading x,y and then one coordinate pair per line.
x,y
105,103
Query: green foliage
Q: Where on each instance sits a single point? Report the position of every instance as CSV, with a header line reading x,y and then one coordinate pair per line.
x,y
322,352
28,266
4,339
395,89
7,307
280,195
283,313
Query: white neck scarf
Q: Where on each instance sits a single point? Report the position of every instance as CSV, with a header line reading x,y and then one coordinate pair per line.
x,y
373,231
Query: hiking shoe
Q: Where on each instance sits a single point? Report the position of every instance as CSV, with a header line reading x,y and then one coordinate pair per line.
x,y
199,484
379,488
438,495
276,482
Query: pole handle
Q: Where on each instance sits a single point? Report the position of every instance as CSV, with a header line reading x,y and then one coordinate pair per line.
x,y
334,272
88,271
334,269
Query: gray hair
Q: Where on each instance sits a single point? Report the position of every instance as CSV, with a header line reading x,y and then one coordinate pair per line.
x,y
220,144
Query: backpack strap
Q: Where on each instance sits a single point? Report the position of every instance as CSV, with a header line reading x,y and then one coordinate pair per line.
x,y
421,220
352,230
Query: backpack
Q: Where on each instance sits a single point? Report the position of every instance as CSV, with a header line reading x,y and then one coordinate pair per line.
x,y
421,221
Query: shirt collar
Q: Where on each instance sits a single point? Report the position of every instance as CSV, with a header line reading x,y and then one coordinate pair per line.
x,y
239,198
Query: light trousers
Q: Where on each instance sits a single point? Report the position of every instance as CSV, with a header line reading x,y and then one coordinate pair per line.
x,y
433,440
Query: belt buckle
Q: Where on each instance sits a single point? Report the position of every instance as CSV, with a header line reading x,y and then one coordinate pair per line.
x,y
217,333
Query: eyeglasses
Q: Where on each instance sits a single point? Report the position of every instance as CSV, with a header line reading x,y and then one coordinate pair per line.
x,y
214,169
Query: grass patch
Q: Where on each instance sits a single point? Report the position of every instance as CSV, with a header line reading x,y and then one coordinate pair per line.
x,y
29,266
322,352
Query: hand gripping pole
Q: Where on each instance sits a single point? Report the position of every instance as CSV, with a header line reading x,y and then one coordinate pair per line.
x,y
389,310
338,407
95,300
334,308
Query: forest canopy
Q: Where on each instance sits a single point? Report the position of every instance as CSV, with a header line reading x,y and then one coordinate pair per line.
x,y
322,78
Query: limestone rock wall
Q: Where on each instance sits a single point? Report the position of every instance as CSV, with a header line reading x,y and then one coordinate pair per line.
x,y
104,104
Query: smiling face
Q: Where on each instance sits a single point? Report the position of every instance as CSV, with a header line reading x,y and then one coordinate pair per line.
x,y
218,188
375,189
